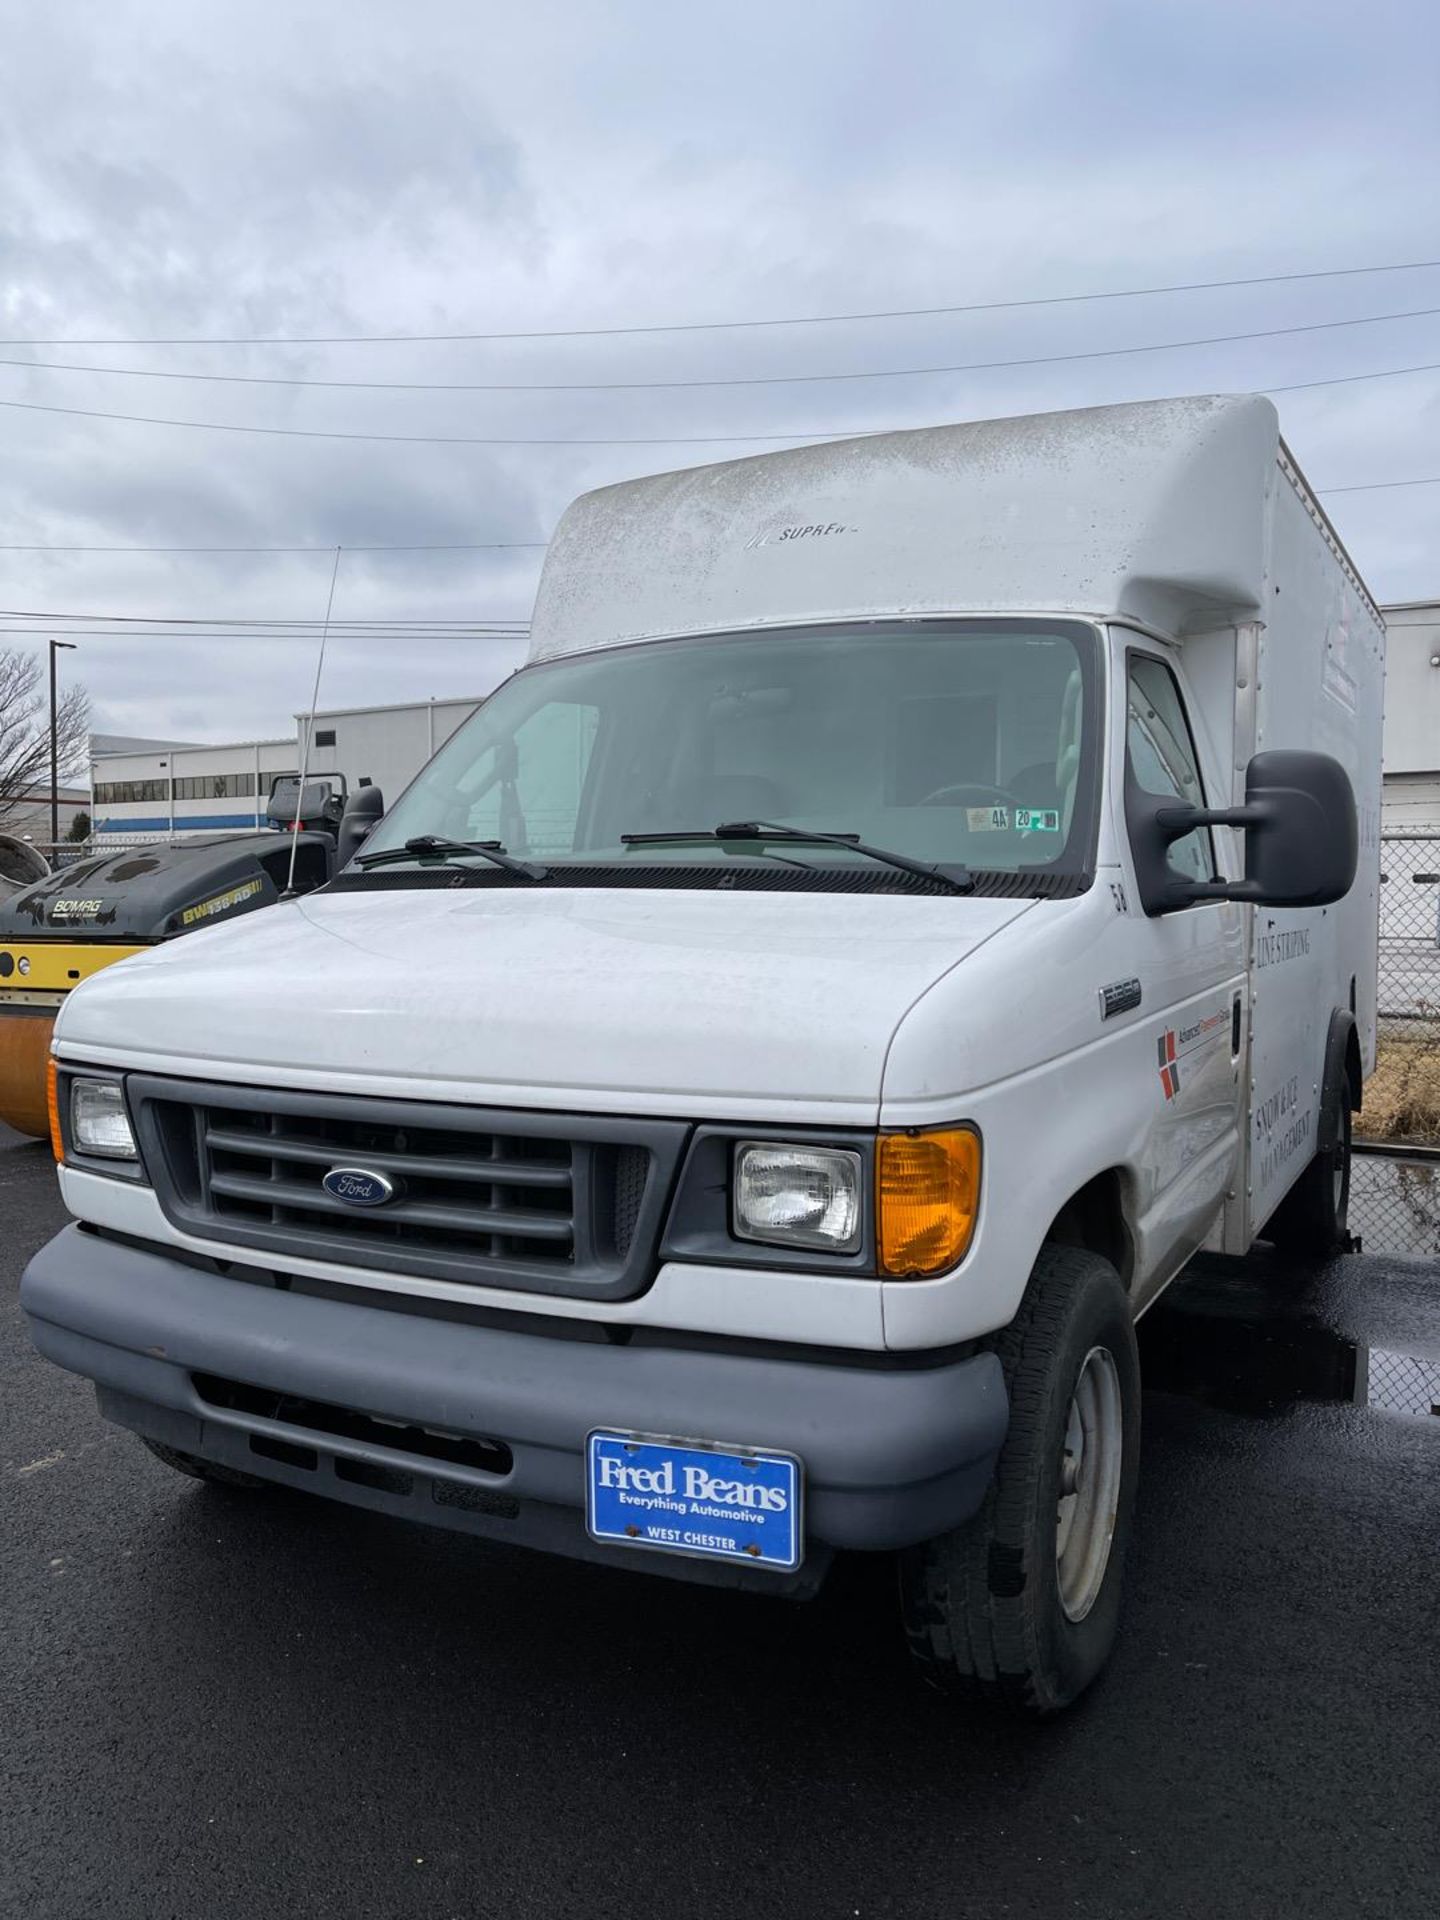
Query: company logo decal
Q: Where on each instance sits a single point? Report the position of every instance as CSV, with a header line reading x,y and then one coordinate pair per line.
x,y
1282,1128
661,1487
1179,1044
221,903
359,1186
1169,1065
1275,949
813,530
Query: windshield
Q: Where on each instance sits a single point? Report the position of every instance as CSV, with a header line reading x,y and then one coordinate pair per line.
x,y
963,745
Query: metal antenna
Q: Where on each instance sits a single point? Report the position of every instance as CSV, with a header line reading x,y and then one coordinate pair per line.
x,y
309,731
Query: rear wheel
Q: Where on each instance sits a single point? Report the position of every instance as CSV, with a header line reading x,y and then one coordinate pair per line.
x,y
1313,1218
1022,1603
197,1469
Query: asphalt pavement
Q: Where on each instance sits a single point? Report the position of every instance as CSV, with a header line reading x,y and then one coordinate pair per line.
x,y
224,1706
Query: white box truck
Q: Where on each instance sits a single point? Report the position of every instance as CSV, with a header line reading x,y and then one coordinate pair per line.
x,y
735,1105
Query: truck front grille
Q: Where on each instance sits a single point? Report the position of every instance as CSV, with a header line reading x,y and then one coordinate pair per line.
x,y
551,1202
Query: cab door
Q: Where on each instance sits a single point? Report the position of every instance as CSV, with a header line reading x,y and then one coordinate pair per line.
x,y
1191,967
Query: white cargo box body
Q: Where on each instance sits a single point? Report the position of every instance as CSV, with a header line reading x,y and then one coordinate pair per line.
x,y
1183,519
1310,673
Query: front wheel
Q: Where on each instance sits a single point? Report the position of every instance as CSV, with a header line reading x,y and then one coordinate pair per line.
x,y
1021,1604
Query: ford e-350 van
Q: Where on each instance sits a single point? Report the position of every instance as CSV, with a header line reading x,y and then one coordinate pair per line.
x,y
735,1105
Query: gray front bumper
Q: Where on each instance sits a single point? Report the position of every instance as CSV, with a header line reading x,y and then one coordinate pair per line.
x,y
892,1455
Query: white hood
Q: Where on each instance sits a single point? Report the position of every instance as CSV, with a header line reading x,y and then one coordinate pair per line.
x,y
733,1004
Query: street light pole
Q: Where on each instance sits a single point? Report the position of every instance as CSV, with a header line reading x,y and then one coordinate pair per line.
x,y
67,646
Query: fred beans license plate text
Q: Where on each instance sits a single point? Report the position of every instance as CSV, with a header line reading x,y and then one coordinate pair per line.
x,y
676,1497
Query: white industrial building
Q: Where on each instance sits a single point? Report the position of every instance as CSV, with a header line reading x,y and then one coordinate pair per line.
x,y
168,787
382,747
1412,717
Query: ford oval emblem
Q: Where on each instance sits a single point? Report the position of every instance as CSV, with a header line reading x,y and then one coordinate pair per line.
x,y
359,1186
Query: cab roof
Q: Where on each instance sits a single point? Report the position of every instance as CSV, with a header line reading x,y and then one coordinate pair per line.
x,y
1154,511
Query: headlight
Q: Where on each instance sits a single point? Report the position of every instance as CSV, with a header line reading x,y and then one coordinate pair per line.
x,y
99,1124
798,1196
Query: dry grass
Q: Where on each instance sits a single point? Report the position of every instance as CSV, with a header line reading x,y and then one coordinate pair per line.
x,y
1402,1098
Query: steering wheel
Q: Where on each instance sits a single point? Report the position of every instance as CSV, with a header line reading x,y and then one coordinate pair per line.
x,y
969,794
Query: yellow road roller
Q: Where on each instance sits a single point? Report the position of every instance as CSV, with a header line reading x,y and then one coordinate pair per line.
x,y
59,930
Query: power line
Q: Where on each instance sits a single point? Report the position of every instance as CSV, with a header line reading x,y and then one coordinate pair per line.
x,y
31,623
176,626
254,640
453,546
1346,379
200,626
206,620
249,637
425,439
719,326
741,380
1381,486
643,440
260,640
538,546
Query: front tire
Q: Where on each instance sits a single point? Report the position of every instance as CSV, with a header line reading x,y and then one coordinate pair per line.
x,y
1022,1603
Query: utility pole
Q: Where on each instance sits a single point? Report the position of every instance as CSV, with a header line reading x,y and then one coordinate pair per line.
x,y
67,646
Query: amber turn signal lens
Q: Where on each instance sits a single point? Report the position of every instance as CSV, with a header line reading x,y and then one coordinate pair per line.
x,y
928,1195
52,1107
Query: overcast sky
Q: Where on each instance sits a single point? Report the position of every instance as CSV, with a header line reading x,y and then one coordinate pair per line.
x,y
181,167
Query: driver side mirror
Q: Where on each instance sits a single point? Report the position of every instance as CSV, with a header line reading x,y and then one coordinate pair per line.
x,y
362,812
1301,837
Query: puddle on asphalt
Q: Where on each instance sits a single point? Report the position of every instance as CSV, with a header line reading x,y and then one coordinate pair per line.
x,y
1223,1337
1395,1204
1217,1339
1255,1336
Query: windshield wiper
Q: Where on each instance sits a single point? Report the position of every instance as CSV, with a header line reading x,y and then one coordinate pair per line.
x,y
431,846
959,882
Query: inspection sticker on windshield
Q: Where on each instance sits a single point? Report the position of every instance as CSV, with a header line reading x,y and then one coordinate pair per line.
x,y
988,819
1037,820
682,1496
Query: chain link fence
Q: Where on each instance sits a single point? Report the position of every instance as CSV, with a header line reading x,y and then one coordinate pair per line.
x,y
1399,1382
1410,928
1402,1101
1395,1201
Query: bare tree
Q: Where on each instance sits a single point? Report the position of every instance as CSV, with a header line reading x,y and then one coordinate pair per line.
x,y
25,731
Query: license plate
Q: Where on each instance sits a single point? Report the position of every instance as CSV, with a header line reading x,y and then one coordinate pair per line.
x,y
688,1497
